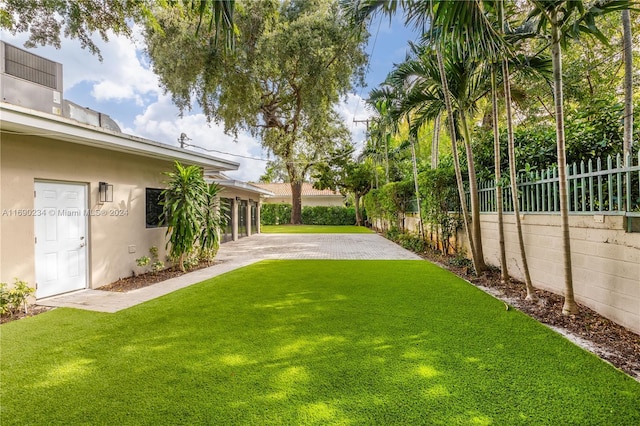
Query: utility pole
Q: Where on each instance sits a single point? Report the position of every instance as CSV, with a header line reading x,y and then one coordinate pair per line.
x,y
366,121
183,137
375,168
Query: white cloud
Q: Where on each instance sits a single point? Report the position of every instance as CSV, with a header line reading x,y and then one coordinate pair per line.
x,y
160,121
122,75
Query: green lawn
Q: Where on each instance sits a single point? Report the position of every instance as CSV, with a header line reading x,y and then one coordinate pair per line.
x,y
312,342
314,229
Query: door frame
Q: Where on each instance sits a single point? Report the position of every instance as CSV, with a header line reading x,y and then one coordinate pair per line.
x,y
87,225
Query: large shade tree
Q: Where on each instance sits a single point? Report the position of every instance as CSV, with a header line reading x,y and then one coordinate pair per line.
x,y
48,21
292,62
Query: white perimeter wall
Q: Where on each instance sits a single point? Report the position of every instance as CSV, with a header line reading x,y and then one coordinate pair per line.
x,y
605,260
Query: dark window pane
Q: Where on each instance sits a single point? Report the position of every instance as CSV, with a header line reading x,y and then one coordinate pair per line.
x,y
154,209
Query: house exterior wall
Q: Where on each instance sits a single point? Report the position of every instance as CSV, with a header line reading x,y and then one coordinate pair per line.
x,y
605,259
233,215
115,240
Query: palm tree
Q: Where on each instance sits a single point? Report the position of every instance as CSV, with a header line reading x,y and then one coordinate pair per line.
x,y
435,142
464,80
564,19
463,29
628,84
384,125
504,272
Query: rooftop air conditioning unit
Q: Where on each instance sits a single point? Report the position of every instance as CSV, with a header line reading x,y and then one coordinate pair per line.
x,y
30,80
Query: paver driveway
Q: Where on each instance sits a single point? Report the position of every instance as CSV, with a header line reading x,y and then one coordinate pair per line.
x,y
237,254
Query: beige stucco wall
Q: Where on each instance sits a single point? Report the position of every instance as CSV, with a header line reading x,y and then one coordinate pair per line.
x,y
605,259
25,160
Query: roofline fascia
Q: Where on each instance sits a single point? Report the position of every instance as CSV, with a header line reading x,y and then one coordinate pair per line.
x,y
30,122
243,185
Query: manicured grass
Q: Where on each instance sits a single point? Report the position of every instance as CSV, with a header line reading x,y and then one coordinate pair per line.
x,y
314,229
308,342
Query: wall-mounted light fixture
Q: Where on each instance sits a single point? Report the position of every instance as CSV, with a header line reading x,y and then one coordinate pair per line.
x,y
238,198
105,191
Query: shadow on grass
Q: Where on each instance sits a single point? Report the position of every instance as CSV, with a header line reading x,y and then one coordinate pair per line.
x,y
308,342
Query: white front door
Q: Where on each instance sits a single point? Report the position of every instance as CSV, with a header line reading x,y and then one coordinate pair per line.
x,y
61,237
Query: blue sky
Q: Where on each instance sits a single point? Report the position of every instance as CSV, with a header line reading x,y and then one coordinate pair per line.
x,y
124,87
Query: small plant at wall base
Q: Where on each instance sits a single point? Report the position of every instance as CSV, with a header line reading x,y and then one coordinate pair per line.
x,y
12,299
157,265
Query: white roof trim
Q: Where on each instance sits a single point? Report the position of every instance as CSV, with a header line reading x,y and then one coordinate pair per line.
x,y
30,122
242,185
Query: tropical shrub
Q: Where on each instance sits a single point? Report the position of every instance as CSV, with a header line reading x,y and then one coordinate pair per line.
x,y
275,214
390,202
323,215
157,265
14,298
193,216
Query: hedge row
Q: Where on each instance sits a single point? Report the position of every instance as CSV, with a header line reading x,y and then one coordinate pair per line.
x,y
275,214
280,214
321,215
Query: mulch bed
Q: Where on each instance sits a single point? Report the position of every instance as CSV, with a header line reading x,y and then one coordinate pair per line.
x,y
603,337
150,278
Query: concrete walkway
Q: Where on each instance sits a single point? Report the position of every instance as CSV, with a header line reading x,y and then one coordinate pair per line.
x,y
237,254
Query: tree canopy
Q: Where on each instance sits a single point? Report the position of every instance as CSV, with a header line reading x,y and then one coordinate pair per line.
x,y
293,60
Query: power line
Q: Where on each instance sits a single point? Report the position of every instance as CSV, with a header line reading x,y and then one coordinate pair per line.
x,y
373,48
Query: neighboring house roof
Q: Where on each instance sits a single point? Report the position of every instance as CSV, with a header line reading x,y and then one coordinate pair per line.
x,y
19,120
284,190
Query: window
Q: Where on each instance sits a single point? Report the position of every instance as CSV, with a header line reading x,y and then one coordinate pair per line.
x,y
154,218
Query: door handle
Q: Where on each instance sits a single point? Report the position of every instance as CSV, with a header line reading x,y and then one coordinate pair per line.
x,y
81,245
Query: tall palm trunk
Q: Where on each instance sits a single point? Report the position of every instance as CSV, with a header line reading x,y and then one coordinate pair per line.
x,y
531,294
504,272
628,85
569,306
456,160
386,157
473,194
415,182
435,143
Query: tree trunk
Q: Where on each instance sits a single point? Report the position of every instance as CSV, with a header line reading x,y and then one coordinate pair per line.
x,y
435,142
628,86
415,183
296,203
473,195
504,272
531,293
386,157
181,262
375,172
569,306
356,196
456,160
